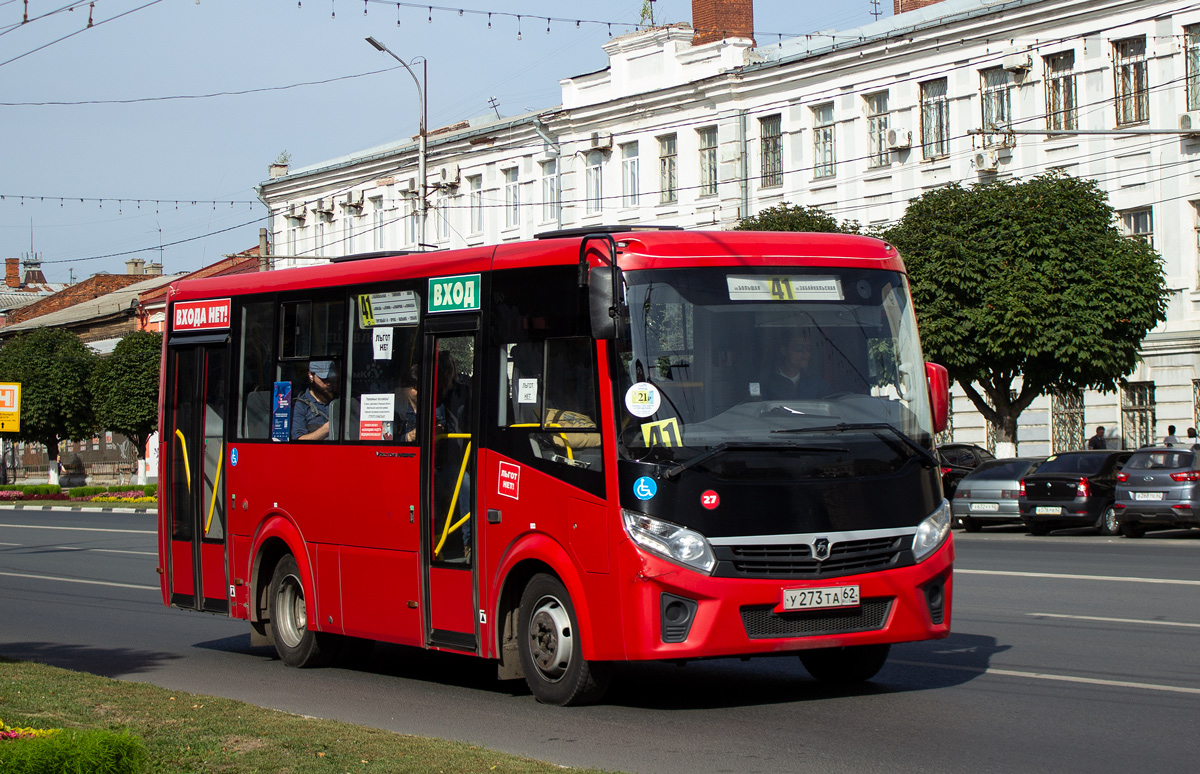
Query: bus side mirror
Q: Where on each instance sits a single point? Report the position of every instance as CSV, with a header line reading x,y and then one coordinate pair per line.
x,y
604,284
939,395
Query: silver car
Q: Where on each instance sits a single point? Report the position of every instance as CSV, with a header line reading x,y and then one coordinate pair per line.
x,y
989,494
1159,488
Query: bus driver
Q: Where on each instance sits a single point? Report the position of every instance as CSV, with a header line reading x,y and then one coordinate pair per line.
x,y
310,413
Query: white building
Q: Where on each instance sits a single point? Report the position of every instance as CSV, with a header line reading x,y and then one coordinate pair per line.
x,y
700,128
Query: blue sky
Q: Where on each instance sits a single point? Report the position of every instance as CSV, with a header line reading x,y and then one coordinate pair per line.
x,y
168,153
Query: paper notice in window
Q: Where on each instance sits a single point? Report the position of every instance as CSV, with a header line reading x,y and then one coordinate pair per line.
x,y
383,343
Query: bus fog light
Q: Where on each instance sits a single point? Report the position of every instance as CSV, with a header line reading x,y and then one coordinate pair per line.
x,y
670,541
932,532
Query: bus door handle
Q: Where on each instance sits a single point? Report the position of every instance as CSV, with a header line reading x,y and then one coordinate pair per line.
x,y
493,516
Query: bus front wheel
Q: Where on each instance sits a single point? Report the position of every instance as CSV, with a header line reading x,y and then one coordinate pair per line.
x,y
296,644
854,664
551,653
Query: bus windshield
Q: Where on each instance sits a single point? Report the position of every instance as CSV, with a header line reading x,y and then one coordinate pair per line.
x,y
781,356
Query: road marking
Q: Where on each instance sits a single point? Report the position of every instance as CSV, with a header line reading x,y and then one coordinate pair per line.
x,y
80,548
79,580
1066,576
82,529
1055,678
1114,620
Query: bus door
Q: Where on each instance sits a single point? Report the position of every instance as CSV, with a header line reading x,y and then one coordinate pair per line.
x,y
195,428
449,411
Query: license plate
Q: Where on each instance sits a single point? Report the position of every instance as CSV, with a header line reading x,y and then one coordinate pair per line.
x,y
812,599
1147,495
1047,510
985,506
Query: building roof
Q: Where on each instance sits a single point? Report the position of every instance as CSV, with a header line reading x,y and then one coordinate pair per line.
x,y
108,305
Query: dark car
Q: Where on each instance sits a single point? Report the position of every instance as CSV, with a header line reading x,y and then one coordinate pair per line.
x,y
957,460
990,493
1158,488
1073,489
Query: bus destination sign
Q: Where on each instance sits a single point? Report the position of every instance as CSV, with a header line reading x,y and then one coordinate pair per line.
x,y
208,315
454,294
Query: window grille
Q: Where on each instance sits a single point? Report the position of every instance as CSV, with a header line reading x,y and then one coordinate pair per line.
x,y
1067,430
1132,81
1137,414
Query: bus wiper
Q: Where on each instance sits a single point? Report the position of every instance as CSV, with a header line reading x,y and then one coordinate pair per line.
x,y
842,427
721,448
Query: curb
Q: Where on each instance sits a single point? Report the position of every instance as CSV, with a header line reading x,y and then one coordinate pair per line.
x,y
81,509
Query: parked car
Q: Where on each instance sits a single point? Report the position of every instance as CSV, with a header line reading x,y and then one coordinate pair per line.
x,y
957,460
990,493
1158,488
1073,489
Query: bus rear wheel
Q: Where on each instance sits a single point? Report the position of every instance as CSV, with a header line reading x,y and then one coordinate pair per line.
x,y
296,644
551,653
841,666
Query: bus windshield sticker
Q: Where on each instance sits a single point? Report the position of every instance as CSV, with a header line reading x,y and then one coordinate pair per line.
x,y
527,390
201,315
763,287
386,309
645,488
383,343
375,416
665,432
510,481
454,294
281,415
642,400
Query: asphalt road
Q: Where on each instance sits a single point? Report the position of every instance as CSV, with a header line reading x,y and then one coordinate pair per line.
x,y
1069,653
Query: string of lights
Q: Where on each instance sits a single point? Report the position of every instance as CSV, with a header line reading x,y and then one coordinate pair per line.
x,y
121,203
29,20
90,25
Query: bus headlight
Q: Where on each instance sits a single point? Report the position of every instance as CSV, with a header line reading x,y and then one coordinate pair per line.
x,y
670,541
932,532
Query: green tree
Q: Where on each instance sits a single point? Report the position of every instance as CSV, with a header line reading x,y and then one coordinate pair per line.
x,y
789,217
53,367
1028,282
125,388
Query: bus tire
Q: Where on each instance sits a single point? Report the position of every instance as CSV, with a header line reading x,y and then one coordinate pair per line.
x,y
296,644
551,653
842,666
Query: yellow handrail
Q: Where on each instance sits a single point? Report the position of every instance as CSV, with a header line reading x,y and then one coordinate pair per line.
x,y
447,529
216,485
187,469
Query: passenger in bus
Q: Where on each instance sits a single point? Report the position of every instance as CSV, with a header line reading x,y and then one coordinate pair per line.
x,y
310,412
795,374
406,407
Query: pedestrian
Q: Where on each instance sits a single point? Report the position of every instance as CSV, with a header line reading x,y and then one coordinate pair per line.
x,y
1169,439
1097,441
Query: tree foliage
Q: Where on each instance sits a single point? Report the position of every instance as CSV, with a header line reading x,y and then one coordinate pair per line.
x,y
125,387
789,217
1028,281
53,367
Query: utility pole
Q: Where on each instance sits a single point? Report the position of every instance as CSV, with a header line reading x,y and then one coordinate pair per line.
x,y
423,207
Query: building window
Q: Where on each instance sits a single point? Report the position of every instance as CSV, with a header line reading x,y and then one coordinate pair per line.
x,y
877,129
443,218
629,174
319,243
824,158
594,184
935,119
549,190
293,230
1061,104
668,169
708,160
475,187
1139,224
412,222
771,150
1067,431
512,199
1191,42
1137,415
995,90
1133,85
347,232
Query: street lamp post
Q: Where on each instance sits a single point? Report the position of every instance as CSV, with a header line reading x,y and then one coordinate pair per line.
x,y
423,207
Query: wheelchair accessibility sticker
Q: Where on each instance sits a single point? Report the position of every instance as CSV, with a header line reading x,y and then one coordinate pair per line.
x,y
645,488
233,456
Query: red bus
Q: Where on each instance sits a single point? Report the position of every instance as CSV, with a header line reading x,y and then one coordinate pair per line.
x,y
589,448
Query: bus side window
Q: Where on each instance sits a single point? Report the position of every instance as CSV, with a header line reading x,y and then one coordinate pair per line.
x,y
385,368
312,339
255,357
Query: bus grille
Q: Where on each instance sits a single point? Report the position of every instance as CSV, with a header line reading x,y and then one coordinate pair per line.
x,y
762,623
796,561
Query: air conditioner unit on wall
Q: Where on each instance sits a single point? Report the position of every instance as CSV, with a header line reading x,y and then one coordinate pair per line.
x,y
898,138
1190,122
602,142
449,175
1017,61
987,161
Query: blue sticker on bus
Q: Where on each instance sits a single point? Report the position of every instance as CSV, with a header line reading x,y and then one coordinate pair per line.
x,y
644,488
281,414
233,456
